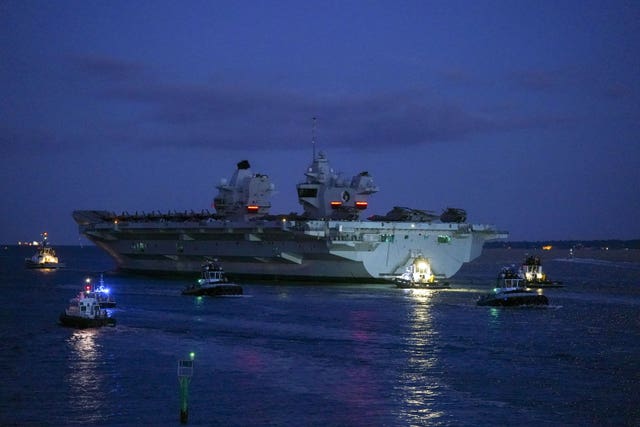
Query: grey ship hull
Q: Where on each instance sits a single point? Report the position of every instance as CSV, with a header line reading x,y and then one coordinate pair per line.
x,y
354,251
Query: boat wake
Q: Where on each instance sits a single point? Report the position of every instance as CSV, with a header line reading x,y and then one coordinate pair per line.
x,y
526,307
592,261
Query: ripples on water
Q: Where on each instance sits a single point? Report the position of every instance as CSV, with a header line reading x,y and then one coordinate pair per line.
x,y
289,354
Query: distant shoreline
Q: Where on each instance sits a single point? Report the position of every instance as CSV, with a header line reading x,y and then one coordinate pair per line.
x,y
567,244
512,254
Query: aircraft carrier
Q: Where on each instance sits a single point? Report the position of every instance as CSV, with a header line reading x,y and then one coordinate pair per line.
x,y
327,242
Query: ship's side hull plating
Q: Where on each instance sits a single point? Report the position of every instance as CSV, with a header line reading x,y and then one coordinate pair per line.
x,y
363,251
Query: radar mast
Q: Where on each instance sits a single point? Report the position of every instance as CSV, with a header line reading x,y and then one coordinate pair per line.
x,y
313,138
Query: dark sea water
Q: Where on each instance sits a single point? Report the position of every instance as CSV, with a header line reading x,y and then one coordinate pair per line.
x,y
325,355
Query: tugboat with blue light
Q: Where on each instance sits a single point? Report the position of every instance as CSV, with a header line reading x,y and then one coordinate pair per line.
x,y
511,290
419,275
45,257
534,276
101,293
84,311
213,282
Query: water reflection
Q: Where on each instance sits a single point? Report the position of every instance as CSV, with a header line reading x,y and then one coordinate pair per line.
x,y
419,379
359,385
85,379
494,320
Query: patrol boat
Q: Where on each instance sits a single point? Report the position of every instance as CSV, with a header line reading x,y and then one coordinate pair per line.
x,y
84,311
328,241
212,282
511,290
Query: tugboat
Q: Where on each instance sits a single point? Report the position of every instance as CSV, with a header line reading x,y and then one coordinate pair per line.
x,y
419,275
534,276
45,257
84,311
101,293
213,282
511,290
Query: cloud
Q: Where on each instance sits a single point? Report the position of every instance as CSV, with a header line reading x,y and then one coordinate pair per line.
x,y
458,76
108,68
536,80
228,116
21,140
232,116
137,108
400,118
618,90
585,80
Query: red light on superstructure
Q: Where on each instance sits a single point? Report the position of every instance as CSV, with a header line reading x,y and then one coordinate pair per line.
x,y
362,205
335,204
252,208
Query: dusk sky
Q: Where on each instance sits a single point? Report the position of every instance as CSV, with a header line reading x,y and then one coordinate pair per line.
x,y
524,113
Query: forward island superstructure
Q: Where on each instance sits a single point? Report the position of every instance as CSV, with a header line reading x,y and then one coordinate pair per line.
x,y
328,241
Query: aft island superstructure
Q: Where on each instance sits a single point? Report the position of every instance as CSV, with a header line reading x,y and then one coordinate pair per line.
x,y
328,241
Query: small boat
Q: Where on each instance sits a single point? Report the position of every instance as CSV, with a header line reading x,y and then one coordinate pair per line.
x,y
511,290
213,282
101,293
419,275
84,311
45,257
534,276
